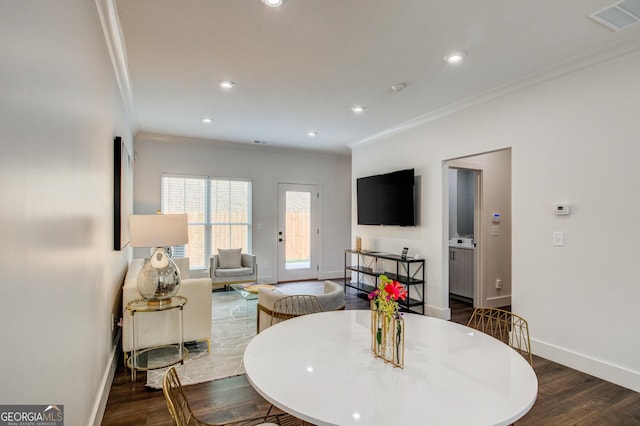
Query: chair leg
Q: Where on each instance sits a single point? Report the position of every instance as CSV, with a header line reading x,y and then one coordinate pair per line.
x,y
268,412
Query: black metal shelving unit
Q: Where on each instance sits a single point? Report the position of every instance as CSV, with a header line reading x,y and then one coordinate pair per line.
x,y
367,266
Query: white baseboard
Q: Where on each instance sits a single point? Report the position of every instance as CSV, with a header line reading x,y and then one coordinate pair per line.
x,y
107,380
498,301
268,279
331,275
442,313
595,367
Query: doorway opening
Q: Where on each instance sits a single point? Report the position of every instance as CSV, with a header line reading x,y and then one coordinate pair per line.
x,y
478,238
464,232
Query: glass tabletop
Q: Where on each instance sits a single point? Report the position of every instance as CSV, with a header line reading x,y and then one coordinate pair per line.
x,y
158,357
249,291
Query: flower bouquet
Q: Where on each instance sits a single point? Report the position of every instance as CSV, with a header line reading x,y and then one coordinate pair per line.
x,y
387,324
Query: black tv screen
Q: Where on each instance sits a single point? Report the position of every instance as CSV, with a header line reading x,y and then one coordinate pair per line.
x,y
387,199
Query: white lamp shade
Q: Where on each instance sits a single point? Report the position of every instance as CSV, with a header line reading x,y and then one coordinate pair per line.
x,y
158,230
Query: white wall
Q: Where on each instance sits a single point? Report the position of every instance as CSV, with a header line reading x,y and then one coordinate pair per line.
x,y
265,166
60,109
574,139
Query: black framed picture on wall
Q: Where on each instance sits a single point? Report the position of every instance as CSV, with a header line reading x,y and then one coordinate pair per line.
x,y
122,193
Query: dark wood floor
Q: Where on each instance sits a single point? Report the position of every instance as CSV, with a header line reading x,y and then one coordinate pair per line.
x,y
565,396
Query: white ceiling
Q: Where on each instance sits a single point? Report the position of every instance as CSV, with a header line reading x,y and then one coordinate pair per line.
x,y
302,66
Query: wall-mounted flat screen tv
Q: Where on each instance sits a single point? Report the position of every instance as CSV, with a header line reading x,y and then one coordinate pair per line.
x,y
387,199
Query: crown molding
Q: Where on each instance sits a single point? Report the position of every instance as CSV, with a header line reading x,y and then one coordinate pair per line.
x,y
602,54
118,53
240,146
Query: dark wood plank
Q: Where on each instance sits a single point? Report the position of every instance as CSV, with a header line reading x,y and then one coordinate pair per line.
x,y
565,396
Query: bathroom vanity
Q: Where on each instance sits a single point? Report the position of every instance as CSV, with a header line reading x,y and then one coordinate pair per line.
x,y
461,253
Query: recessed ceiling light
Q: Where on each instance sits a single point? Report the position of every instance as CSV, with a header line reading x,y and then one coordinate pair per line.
x,y
398,87
272,3
358,109
207,120
226,84
312,134
455,57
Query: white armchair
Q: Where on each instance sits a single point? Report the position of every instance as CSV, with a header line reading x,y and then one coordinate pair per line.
x,y
332,299
231,267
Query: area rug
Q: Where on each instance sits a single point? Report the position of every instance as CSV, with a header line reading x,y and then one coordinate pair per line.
x,y
233,326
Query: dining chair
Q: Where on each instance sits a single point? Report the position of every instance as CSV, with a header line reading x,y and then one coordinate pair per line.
x,y
505,326
182,414
294,306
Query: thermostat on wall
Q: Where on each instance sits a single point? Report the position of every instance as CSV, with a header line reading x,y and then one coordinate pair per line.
x,y
495,217
562,209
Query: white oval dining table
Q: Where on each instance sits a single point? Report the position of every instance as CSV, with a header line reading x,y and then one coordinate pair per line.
x,y
320,368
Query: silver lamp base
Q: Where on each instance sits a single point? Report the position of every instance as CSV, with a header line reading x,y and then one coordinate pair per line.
x,y
159,278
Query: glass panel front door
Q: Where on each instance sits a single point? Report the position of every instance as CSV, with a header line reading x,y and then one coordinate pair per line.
x,y
297,231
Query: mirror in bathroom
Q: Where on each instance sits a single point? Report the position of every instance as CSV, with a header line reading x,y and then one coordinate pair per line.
x,y
466,200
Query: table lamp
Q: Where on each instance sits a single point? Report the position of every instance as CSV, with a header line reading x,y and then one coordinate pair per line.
x,y
159,278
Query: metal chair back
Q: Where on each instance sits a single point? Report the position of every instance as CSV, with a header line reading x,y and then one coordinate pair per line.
x,y
294,306
182,415
177,402
505,326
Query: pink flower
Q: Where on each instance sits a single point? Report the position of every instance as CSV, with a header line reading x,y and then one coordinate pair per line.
x,y
375,293
385,297
395,290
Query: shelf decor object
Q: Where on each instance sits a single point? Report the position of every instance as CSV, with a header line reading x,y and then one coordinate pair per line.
x,y
159,278
387,324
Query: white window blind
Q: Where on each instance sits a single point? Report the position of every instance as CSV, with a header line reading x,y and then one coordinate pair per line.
x,y
218,211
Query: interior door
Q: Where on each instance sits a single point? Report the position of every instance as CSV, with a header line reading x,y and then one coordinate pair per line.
x,y
297,232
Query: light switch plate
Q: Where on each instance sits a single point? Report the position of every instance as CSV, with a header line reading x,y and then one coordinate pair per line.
x,y
562,209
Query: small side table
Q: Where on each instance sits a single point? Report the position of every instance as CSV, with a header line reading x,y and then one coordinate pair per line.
x,y
173,354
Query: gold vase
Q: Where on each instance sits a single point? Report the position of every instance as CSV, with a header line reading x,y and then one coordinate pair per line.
x,y
387,336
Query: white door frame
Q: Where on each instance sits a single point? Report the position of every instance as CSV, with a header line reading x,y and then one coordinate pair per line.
x,y
312,272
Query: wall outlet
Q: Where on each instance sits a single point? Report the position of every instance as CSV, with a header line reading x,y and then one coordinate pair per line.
x,y
558,239
266,265
498,284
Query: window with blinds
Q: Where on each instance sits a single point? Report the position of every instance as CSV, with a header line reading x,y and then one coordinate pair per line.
x,y
218,211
